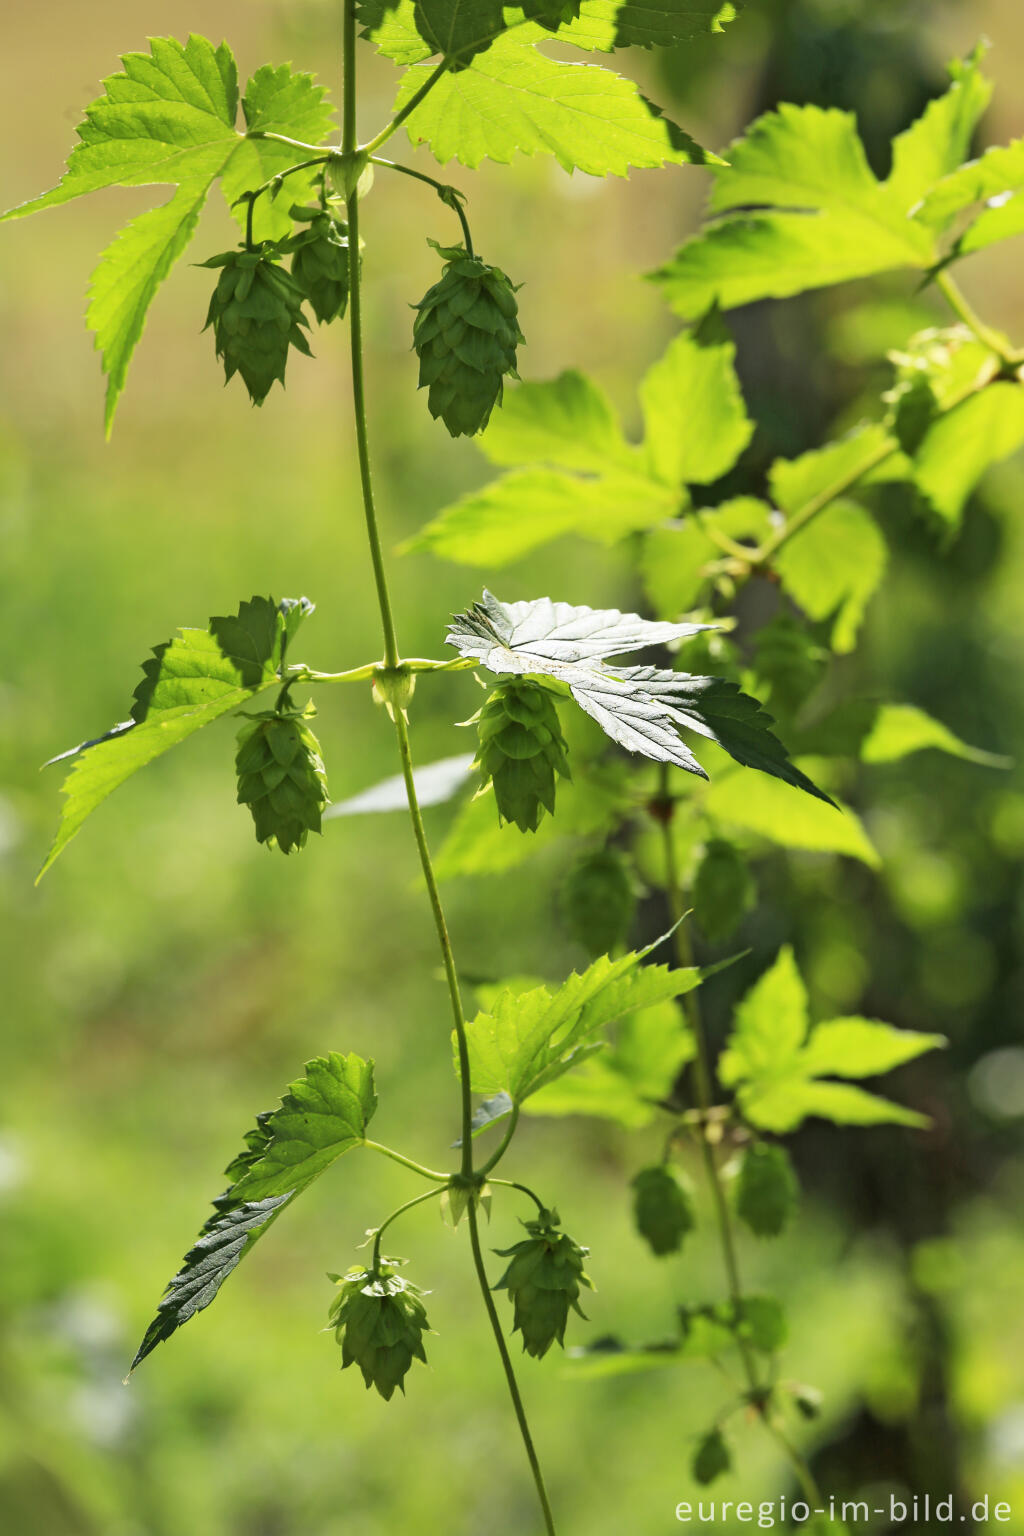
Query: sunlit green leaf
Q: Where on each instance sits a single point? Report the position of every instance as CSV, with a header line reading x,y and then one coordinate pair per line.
x,y
754,803
696,425
833,567
961,445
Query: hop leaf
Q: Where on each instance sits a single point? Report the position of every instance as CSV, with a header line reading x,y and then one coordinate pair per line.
x,y
712,1458
465,335
598,900
256,315
521,750
379,1321
723,890
766,1190
662,1209
544,1280
552,14
320,264
281,777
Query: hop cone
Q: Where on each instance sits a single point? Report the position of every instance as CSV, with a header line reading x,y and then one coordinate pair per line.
x,y
320,264
379,1321
281,778
662,1209
256,315
544,1280
465,335
597,900
767,1191
521,750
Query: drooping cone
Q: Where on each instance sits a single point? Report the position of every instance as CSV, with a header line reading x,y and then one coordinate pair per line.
x,y
256,315
597,900
320,264
767,1190
662,1208
521,750
465,335
379,1321
281,777
544,1280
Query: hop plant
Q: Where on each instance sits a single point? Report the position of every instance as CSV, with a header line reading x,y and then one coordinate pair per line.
x,y
465,335
320,263
597,900
256,315
379,1321
281,777
552,14
662,1209
544,1280
521,749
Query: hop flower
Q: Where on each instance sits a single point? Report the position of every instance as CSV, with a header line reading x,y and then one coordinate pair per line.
x,y
767,1191
544,1280
597,900
379,1321
662,1209
256,315
320,263
465,335
281,777
521,750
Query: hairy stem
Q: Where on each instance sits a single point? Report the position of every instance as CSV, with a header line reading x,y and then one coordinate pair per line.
x,y
510,1375
391,659
410,106
440,187
407,1162
431,1194
523,1189
703,1092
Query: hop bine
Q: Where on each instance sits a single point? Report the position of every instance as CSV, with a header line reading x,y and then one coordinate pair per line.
x,y
465,335
379,1321
521,749
256,315
281,777
544,1280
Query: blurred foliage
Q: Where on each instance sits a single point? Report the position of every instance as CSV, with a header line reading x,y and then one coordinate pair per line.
x,y
171,975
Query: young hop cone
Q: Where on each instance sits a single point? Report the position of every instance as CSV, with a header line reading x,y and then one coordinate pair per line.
x,y
662,1209
379,1321
320,263
521,749
767,1189
597,900
281,777
256,315
465,335
544,1280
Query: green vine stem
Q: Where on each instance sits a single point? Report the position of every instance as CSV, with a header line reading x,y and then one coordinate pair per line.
x,y
407,1162
506,1361
392,662
964,310
431,1194
410,106
757,1391
449,195
523,1190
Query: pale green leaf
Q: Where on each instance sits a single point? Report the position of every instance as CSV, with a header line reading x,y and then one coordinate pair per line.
x,y
515,100
696,425
169,117
129,273
833,566
628,1080
528,508
565,421
435,783
320,1117
527,1039
276,100
863,1048
963,443
770,1025
996,178
773,810
824,473
941,138
783,1106
190,681
900,729
825,219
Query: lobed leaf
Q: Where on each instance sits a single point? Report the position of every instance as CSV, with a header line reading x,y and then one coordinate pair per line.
x,y
696,425
627,1081
755,803
321,1116
963,443
188,682
833,566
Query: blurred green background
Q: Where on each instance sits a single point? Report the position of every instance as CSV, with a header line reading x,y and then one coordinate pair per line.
x,y
170,976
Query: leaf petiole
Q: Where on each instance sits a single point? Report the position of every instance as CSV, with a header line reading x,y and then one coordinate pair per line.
x,y
407,1162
